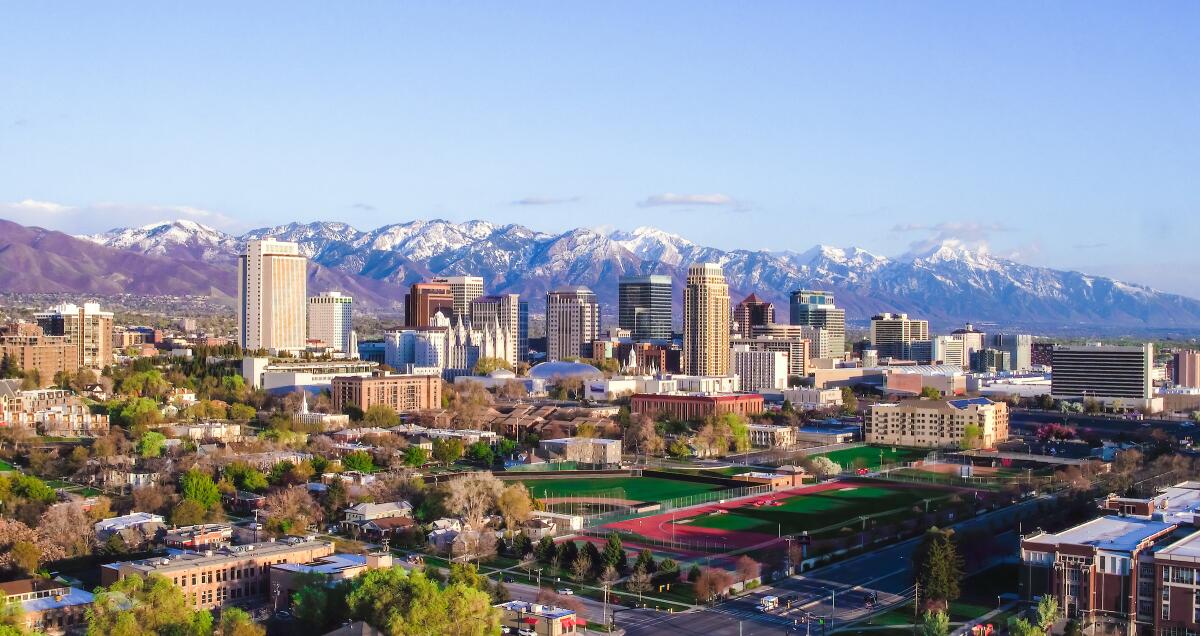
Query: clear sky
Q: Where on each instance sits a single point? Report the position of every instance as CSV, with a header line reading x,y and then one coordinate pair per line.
x,y
1065,134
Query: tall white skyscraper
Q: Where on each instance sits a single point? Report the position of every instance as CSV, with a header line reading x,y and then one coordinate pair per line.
x,y
330,317
706,319
572,319
464,289
272,290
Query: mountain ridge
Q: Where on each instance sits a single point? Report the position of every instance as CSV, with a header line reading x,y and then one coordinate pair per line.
x,y
945,283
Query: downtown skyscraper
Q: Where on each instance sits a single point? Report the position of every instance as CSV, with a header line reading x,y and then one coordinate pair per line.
x,y
272,296
644,306
812,308
706,321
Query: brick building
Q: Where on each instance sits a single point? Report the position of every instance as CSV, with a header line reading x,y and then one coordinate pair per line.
x,y
28,347
697,407
401,392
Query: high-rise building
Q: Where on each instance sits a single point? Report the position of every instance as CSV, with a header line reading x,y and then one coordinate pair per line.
x,y
523,331
818,338
1187,368
644,306
752,312
87,329
27,346
706,321
423,300
949,350
972,339
330,320
1019,347
1105,373
463,290
572,319
794,347
272,290
990,361
892,333
503,312
816,309
759,369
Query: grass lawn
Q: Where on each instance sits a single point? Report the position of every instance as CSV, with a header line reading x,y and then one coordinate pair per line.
x,y
818,510
5,466
847,457
635,488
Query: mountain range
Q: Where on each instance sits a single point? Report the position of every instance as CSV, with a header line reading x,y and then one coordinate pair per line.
x,y
946,284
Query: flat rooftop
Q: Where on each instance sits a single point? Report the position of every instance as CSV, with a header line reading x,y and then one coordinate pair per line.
x,y
187,559
325,565
1119,534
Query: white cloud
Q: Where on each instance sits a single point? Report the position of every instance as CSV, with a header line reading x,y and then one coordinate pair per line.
x,y
965,233
671,198
545,200
100,217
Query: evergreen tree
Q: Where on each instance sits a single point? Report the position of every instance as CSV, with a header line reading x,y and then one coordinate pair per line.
x,y
938,567
614,555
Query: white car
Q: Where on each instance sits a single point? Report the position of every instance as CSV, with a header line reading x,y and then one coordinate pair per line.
x,y
526,631
566,591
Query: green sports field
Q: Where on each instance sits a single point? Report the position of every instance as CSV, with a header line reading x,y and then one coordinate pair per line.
x,y
848,458
635,488
817,510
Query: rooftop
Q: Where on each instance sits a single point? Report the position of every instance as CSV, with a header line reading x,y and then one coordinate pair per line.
x,y
325,565
537,609
1120,534
176,558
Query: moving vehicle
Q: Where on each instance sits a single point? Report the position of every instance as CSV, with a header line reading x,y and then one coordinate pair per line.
x,y
565,591
768,603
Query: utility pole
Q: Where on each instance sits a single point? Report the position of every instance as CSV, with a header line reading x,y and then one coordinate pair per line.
x,y
917,600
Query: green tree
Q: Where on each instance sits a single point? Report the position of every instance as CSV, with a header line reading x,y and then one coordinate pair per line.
x,y
188,512
151,444
506,447
33,489
546,550
447,451
199,487
679,449
243,412
739,431
26,555
1047,611
136,411
145,606
972,436
614,555
1022,627
849,401
381,415
931,393
236,622
360,461
245,477
317,603
934,624
485,366
401,603
415,456
938,567
481,452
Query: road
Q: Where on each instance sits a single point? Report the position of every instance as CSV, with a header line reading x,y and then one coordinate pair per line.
x,y
886,571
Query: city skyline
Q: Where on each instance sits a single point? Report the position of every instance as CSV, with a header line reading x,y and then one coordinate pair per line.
x,y
1059,141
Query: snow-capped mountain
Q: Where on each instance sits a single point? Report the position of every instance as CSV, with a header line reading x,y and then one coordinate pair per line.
x,y
947,282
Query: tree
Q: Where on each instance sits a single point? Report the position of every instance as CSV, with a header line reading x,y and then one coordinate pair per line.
x,y
545,550
236,622
472,497
642,437
931,393
849,401
199,487
360,461
668,569
415,456
515,505
1022,627
245,477
1047,612
485,366
145,606
934,624
381,415
151,444
25,556
711,583
188,512
402,603
614,555
645,561
938,568
679,449
67,526
291,511
825,467
317,603
581,567
242,412
747,568
482,453
972,437
447,451
739,431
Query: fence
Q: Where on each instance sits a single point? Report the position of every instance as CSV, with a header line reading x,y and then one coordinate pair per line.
x,y
676,503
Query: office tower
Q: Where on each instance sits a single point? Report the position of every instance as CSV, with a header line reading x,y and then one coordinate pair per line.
x,y
759,369
523,331
27,346
796,348
644,306
949,350
1018,346
1187,368
990,361
971,338
500,312
706,321
87,329
423,300
572,319
752,312
1105,373
330,320
816,309
463,290
272,290
892,333
818,339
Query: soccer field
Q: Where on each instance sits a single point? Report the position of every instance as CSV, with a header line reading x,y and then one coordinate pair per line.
x,y
650,489
814,511
870,455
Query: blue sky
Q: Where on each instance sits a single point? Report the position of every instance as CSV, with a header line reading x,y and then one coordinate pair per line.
x,y
1064,134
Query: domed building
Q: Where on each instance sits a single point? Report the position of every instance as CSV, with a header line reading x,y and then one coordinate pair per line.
x,y
551,371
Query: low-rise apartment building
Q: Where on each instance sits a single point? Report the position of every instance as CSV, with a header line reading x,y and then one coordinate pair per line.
x,y
400,392
698,406
975,422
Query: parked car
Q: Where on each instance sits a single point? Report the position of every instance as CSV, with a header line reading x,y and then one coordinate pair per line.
x,y
566,591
